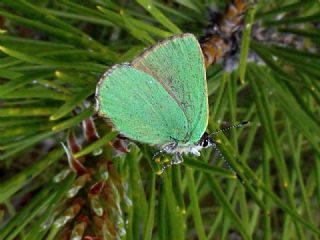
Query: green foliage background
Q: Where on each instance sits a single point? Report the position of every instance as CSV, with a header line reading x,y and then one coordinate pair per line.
x,y
51,56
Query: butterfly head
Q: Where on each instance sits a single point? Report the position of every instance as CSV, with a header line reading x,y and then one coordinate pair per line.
x,y
206,141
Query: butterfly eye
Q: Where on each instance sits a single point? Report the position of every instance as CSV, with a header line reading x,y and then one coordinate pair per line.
x,y
205,143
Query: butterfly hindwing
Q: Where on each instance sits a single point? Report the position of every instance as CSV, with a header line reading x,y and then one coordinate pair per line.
x,y
178,65
139,106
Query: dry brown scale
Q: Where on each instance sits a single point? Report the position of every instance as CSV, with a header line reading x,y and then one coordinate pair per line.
x,y
92,208
222,38
223,35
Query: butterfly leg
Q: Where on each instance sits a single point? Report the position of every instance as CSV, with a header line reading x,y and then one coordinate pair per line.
x,y
177,158
168,148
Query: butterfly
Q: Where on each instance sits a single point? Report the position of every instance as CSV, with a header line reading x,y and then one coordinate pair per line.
x,y
160,98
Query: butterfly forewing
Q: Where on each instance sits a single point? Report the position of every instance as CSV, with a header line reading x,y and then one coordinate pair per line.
x,y
178,65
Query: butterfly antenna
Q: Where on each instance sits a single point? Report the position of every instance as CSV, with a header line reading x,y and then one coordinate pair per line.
x,y
226,162
230,127
215,147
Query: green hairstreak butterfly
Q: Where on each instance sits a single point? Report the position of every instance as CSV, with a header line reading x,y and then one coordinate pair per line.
x,y
160,98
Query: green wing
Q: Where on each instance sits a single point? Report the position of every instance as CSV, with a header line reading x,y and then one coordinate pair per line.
x,y
139,106
178,65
